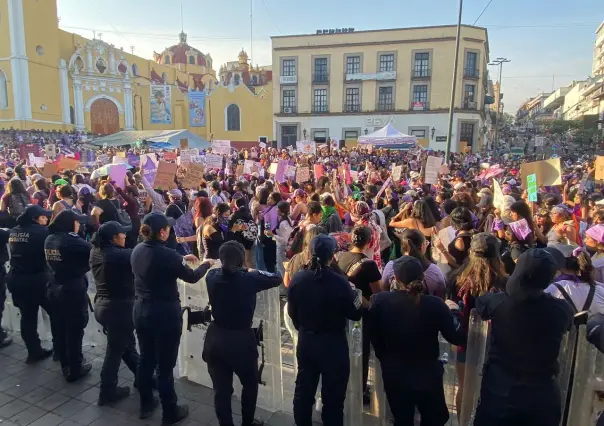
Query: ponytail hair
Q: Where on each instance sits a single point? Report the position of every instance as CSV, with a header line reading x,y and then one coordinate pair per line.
x,y
580,262
411,241
317,265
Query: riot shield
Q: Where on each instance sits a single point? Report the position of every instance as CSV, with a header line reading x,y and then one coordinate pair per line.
x,y
475,356
266,316
353,405
587,398
448,358
565,361
11,320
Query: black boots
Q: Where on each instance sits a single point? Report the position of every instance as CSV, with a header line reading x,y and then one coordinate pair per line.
x,y
38,356
5,341
175,415
147,409
74,374
114,395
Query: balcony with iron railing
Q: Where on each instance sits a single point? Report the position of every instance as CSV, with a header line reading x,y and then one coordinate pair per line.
x,y
471,73
320,108
419,73
468,104
320,78
352,108
385,106
289,109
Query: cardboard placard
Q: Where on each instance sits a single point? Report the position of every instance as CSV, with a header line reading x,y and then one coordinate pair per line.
x,y
397,172
214,161
50,150
600,167
248,167
272,170
170,155
302,174
221,147
319,171
280,173
432,167
187,154
531,181
49,170
184,143
164,179
498,201
68,163
548,172
193,176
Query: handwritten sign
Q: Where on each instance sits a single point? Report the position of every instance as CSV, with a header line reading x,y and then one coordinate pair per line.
x,y
170,155
280,174
432,167
249,166
164,179
318,171
193,176
149,168
50,150
600,167
548,172
397,171
290,171
306,147
68,163
221,147
383,188
214,161
272,170
498,201
186,154
302,174
531,181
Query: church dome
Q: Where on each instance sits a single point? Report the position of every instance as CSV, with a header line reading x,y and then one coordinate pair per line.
x,y
181,53
243,57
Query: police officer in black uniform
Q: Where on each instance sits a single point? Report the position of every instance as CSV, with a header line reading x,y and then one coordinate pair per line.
x,y
114,301
157,314
230,344
28,276
5,340
68,256
320,301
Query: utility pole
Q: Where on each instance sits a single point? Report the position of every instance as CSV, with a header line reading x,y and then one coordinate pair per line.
x,y
499,62
454,83
251,31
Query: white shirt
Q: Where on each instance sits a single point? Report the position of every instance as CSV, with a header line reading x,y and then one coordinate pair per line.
x,y
598,262
578,294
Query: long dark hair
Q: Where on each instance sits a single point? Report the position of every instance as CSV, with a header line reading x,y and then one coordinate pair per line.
x,y
411,242
421,211
524,212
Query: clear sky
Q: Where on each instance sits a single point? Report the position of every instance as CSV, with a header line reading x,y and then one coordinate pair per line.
x,y
550,42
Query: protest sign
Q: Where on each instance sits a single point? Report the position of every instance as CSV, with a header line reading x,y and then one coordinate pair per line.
x,y
272,170
302,174
397,171
186,154
164,179
117,173
306,147
133,160
68,163
31,158
118,159
121,154
149,168
214,161
184,143
290,171
383,188
50,150
280,173
29,148
600,167
221,147
432,167
193,176
318,171
198,159
50,170
497,195
548,172
520,229
39,162
531,187
262,145
249,166
354,175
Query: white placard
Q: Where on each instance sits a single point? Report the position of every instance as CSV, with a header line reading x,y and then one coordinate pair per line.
x,y
221,147
214,161
306,147
432,167
186,154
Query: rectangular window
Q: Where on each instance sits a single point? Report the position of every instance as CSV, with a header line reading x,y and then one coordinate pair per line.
x,y
289,67
353,99
420,133
353,64
467,133
469,95
471,61
387,62
421,66
385,99
321,71
351,134
420,93
289,98
320,100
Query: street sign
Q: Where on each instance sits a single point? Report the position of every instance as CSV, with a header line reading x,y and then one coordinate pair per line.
x,y
531,183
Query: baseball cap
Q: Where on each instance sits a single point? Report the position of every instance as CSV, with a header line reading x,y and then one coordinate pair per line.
x,y
35,211
485,245
158,221
110,229
176,193
323,246
534,270
407,269
9,171
566,250
61,182
596,232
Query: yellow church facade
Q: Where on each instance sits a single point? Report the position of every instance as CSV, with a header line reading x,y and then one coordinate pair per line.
x,y
54,80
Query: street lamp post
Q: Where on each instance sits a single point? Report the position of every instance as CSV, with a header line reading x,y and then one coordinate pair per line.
x,y
454,83
500,62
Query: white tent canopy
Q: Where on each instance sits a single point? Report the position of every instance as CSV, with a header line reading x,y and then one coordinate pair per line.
x,y
389,137
171,137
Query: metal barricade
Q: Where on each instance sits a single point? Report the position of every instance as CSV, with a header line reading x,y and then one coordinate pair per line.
x,y
475,356
191,365
11,320
587,398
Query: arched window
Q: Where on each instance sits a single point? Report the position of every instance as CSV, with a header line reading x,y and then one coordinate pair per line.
x,y
237,79
3,91
254,80
167,60
192,60
134,70
233,118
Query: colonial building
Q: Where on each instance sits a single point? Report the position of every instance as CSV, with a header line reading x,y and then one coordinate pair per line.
x,y
53,79
343,83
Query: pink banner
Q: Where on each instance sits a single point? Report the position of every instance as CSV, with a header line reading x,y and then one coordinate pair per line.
x,y
318,171
280,173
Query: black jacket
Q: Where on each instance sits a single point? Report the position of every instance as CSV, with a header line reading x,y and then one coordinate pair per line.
x,y
68,256
156,269
112,272
26,245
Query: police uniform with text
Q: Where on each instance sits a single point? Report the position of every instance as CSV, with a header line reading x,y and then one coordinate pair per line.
x,y
230,344
319,303
28,276
157,317
5,340
68,256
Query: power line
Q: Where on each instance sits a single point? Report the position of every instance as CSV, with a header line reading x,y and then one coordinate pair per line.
x,y
272,19
483,10
109,22
156,36
569,25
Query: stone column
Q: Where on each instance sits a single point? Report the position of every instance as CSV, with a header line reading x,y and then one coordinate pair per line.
x,y
64,84
79,105
128,105
89,64
112,69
